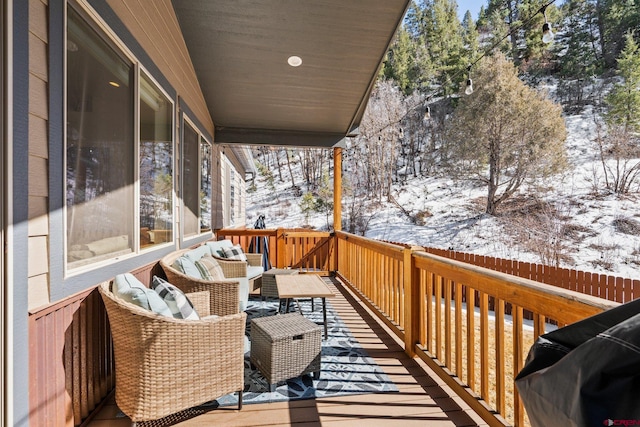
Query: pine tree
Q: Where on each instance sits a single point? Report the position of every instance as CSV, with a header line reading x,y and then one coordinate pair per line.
x,y
443,36
616,18
399,65
624,99
505,134
470,37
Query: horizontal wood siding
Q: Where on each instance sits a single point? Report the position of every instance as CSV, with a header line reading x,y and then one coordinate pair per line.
x,y
38,154
155,26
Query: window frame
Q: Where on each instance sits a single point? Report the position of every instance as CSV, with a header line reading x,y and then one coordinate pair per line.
x,y
199,235
158,86
94,21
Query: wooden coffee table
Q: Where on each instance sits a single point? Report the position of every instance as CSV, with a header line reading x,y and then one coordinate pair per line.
x,y
304,286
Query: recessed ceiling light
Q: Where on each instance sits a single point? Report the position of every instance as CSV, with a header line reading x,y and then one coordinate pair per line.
x,y
294,61
114,84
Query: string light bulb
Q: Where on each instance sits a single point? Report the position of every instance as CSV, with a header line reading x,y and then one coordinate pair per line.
x,y
547,34
469,89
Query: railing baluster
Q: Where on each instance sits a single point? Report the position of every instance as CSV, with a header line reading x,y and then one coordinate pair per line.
x,y
438,319
500,360
447,322
518,359
484,345
458,328
471,338
430,310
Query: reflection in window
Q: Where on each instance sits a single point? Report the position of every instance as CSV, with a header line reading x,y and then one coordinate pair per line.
x,y
232,196
156,165
99,150
190,184
205,185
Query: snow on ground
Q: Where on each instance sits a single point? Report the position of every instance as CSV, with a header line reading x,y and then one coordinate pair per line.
x,y
455,219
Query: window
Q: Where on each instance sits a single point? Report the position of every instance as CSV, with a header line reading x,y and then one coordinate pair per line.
x,y
100,147
196,181
156,165
232,196
119,157
205,185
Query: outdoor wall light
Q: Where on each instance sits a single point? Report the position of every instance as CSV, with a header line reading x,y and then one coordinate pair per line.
x,y
294,61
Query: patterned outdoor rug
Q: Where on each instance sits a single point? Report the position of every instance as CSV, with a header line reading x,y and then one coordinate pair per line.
x,y
346,369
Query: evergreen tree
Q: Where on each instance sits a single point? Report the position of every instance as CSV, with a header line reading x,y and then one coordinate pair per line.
x,y
624,99
578,52
399,65
581,50
443,36
470,37
505,134
408,61
482,19
616,18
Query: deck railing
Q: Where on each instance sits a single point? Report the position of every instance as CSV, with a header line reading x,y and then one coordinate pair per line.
x,y
427,300
430,302
301,249
466,322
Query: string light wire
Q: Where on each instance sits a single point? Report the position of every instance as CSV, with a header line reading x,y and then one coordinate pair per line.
x,y
486,52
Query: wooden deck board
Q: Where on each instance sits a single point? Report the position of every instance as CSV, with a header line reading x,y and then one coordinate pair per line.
x,y
422,398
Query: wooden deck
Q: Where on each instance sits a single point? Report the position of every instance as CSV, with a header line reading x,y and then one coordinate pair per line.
x,y
422,398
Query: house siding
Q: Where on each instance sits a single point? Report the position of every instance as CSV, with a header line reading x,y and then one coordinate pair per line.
x,y
38,268
63,386
155,27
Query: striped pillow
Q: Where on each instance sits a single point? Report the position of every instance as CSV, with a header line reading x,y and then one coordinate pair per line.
x,y
234,252
178,303
209,268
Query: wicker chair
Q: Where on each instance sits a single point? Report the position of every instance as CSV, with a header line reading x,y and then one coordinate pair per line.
x,y
224,294
165,365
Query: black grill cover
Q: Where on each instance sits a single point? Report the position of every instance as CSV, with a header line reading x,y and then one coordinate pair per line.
x,y
587,373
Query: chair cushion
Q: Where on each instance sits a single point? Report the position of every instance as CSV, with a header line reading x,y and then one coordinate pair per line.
x,y
187,266
234,252
197,253
209,268
130,289
254,271
177,301
244,292
216,247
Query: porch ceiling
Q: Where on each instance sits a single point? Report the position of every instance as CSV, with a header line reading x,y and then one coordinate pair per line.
x,y
240,48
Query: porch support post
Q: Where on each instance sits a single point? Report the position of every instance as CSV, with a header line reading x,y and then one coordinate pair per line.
x,y
413,317
337,189
281,248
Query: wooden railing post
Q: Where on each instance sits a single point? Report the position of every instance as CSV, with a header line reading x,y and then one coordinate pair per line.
x,y
337,188
412,301
281,248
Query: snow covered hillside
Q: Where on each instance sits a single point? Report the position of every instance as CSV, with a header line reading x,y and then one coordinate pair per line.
x,y
588,230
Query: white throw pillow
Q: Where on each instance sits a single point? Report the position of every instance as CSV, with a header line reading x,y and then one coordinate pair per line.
x,y
130,289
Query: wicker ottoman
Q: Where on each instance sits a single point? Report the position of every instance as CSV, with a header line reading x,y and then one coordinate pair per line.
x,y
285,346
269,288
